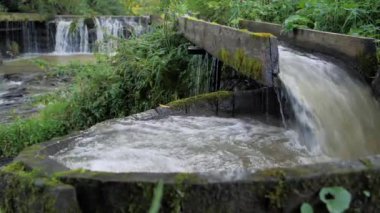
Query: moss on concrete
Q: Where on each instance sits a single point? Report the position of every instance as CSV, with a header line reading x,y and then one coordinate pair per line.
x,y
250,67
255,35
25,191
22,17
367,163
214,96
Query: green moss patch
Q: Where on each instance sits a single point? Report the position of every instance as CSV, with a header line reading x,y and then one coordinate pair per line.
x,y
248,66
22,17
25,191
214,96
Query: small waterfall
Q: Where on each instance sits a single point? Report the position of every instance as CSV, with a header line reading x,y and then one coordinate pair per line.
x,y
30,37
201,74
109,29
68,35
336,114
71,36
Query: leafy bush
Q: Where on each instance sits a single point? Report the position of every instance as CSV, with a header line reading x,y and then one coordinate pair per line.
x,y
356,17
153,68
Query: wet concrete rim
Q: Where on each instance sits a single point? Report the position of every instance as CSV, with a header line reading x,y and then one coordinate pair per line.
x,y
37,157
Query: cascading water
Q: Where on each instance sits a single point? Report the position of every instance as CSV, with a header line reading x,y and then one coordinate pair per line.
x,y
336,113
71,36
200,76
108,29
30,37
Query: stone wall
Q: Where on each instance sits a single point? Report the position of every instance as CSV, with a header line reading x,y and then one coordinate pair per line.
x,y
253,54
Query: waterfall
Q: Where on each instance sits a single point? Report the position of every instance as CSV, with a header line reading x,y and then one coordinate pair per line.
x,y
29,32
71,36
109,29
336,114
200,74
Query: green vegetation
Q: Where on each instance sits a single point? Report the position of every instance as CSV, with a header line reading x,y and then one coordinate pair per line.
x,y
24,190
336,199
147,71
155,69
351,17
158,194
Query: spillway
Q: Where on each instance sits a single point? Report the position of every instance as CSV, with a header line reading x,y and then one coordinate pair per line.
x,y
335,113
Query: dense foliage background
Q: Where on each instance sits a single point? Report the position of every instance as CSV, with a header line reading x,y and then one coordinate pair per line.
x,y
356,17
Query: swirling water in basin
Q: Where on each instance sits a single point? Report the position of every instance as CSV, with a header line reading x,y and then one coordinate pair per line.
x,y
185,144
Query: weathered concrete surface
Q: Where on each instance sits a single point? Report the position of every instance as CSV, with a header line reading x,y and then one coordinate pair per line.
x,y
253,54
358,52
376,85
21,193
270,190
143,20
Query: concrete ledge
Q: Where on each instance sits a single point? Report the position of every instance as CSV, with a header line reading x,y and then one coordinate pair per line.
x,y
359,52
144,20
22,17
253,54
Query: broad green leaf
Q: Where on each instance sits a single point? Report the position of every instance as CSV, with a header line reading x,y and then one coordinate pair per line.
x,y
158,193
337,199
306,208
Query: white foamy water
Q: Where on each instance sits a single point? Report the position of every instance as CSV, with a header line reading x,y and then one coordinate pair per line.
x,y
14,83
336,113
185,144
109,29
71,36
